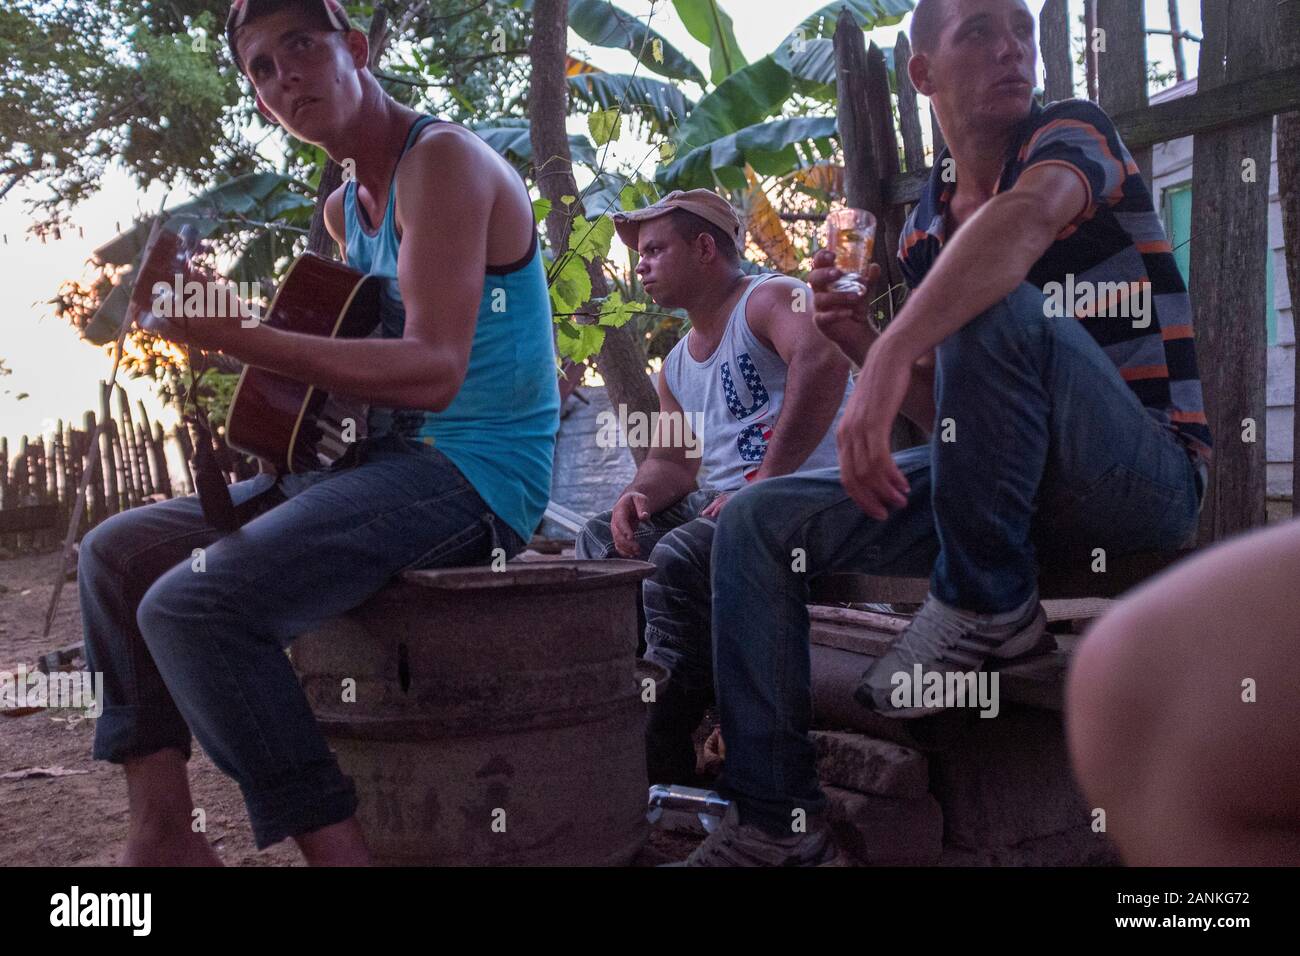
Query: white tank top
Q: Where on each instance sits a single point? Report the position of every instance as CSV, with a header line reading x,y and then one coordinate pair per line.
x,y
738,391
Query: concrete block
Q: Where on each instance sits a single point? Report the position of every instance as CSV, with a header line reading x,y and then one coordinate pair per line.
x,y
885,831
1004,781
861,763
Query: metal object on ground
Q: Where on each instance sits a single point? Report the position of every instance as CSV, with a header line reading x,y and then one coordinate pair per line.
x,y
498,715
675,806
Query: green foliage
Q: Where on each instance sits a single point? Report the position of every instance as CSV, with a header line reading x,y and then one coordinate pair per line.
x,y
869,14
581,336
591,239
659,105
603,24
605,125
711,25
86,83
614,312
510,137
727,127
216,394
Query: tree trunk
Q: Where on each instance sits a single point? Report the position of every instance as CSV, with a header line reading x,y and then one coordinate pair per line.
x,y
621,361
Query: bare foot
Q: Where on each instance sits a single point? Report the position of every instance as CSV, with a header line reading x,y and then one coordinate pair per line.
x,y
154,847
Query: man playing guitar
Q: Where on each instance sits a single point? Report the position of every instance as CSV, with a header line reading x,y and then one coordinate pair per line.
x,y
189,625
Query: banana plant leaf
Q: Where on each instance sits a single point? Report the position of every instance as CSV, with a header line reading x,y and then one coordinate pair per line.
x,y
510,138
661,104
869,14
812,64
603,24
602,196
748,96
707,22
256,195
769,147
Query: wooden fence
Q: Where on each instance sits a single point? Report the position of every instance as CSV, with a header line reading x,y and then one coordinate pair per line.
x,y
40,475
1249,71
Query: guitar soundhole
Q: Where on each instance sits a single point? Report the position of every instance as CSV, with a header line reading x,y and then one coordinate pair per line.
x,y
403,668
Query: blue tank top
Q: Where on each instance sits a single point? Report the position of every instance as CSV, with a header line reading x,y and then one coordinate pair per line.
x,y
500,428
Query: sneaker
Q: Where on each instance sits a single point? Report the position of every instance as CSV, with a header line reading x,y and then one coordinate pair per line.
x,y
736,844
945,640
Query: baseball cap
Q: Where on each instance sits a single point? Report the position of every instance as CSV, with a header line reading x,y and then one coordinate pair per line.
x,y
243,12
705,203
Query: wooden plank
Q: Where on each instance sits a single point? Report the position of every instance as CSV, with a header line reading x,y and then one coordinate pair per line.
x,y
885,146
909,119
63,493
906,188
131,460
96,510
1122,66
1230,232
1061,577
1089,44
1058,58
1056,609
1211,108
529,576
108,453
858,640
1175,33
1076,609
853,112
182,433
856,618
1288,177
158,447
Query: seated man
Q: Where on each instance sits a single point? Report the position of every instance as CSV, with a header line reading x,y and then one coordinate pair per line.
x,y
1183,710
1075,423
755,385
455,469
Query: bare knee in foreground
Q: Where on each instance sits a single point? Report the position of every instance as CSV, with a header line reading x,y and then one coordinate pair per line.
x,y
1183,709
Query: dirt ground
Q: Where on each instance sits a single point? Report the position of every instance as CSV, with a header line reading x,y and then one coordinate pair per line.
x,y
80,819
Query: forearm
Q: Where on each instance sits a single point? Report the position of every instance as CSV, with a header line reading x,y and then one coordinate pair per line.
x,y
664,482
918,404
981,265
397,373
814,390
852,338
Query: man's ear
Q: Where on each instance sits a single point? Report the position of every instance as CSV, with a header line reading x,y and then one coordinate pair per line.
x,y
359,46
706,247
918,69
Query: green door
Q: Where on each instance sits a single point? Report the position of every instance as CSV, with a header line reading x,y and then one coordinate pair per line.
x,y
1178,223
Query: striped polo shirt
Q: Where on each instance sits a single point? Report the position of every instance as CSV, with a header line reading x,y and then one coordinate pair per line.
x,y
1111,268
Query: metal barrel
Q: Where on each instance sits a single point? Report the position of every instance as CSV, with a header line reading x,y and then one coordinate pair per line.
x,y
490,717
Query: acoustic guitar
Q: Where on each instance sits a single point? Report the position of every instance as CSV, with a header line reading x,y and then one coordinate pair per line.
x,y
290,425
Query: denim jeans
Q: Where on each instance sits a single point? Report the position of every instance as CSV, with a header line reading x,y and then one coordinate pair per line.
x,y
1051,448
677,624
189,626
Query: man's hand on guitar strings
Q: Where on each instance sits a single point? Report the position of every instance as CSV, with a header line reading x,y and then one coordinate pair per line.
x,y
189,319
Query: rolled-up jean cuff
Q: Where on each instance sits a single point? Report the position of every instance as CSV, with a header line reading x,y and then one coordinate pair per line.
x,y
316,799
127,731
685,674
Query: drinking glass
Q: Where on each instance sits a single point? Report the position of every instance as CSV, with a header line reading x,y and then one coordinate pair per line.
x,y
851,235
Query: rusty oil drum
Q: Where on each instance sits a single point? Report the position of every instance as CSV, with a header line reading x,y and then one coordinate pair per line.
x,y
498,715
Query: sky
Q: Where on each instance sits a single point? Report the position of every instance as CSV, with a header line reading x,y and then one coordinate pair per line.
x,y
60,374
